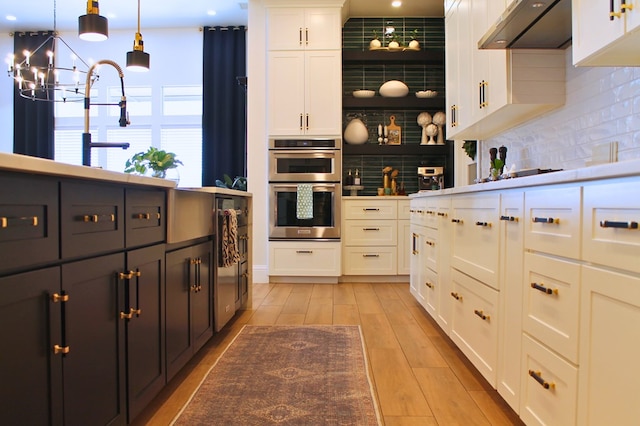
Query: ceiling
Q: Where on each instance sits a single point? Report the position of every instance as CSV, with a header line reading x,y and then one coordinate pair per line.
x,y
122,14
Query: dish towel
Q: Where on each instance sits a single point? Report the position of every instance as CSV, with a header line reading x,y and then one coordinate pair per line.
x,y
304,202
230,253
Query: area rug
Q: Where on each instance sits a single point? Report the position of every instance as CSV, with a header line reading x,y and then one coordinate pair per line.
x,y
286,375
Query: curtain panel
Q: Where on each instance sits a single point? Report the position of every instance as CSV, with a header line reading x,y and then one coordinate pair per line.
x,y
224,121
33,121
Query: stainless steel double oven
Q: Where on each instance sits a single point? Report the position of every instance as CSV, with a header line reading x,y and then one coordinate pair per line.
x,y
318,163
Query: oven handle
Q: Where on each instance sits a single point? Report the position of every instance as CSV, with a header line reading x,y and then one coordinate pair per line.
x,y
294,186
315,152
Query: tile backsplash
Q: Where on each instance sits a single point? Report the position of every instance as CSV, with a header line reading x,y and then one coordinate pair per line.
x,y
602,105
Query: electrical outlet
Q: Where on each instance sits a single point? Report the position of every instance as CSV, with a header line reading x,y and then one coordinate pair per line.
x,y
604,153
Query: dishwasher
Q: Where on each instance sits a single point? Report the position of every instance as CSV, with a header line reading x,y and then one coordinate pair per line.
x,y
230,283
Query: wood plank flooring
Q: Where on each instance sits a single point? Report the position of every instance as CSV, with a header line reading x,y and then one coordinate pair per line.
x,y
420,377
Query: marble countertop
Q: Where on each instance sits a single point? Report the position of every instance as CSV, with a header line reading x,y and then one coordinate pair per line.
x,y
218,190
375,197
605,171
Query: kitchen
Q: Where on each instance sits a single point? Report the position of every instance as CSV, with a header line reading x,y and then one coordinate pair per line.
x,y
560,139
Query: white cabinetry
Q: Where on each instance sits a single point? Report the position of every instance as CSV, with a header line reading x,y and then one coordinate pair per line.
x,y
304,71
445,304
304,258
605,33
404,238
457,33
371,238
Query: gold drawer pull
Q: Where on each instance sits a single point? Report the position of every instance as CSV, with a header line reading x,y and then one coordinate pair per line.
x,y
482,315
621,225
545,220
369,209
428,284
485,224
90,218
544,289
137,312
125,276
456,221
537,376
55,297
430,243
304,251
509,218
4,221
145,216
127,316
57,349
370,229
625,6
456,295
370,255
442,214
430,212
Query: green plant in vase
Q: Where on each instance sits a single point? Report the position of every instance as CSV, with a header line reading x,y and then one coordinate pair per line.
x,y
375,42
414,43
155,160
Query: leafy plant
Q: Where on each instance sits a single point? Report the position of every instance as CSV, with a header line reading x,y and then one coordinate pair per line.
x,y
154,159
470,148
414,34
239,183
375,35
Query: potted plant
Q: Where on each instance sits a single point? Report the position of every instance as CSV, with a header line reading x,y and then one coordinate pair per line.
x,y
155,160
393,43
414,43
375,42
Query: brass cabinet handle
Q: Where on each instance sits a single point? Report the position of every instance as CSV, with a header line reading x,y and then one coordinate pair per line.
x,y
370,229
300,36
301,121
370,209
306,32
624,6
430,212
456,221
509,218
537,376
125,275
57,349
545,220
442,214
481,315
55,297
307,120
304,251
145,216
544,289
428,284
32,220
456,295
125,315
621,225
430,243
137,312
95,218
484,224
370,255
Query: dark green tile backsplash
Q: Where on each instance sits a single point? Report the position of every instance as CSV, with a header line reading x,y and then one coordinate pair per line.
x,y
356,34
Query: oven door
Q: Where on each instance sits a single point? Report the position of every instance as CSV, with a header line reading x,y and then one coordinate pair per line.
x,y
284,223
304,165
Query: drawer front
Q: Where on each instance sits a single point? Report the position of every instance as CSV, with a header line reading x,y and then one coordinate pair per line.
x,y
371,233
304,259
29,230
404,209
145,217
370,209
404,247
476,236
429,292
370,261
611,225
552,221
474,325
549,387
91,219
551,303
431,249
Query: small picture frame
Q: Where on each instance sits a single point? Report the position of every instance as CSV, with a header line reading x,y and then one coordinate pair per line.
x,y
395,132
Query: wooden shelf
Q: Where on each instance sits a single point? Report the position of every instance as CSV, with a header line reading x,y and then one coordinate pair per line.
x,y
408,56
404,149
409,101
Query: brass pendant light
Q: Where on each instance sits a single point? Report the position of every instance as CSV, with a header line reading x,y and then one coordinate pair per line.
x,y
92,26
137,59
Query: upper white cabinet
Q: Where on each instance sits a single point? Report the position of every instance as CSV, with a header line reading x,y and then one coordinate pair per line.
x,y
490,91
605,33
304,92
296,28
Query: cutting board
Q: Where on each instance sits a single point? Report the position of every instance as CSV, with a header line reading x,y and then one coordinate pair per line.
x,y
395,133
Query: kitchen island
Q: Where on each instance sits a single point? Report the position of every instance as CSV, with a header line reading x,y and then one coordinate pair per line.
x,y
537,281
108,283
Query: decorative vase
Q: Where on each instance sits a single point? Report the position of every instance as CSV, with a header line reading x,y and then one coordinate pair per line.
x,y
414,44
385,181
356,132
375,44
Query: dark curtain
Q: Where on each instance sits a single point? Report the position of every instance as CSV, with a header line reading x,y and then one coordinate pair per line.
x,y
224,124
33,121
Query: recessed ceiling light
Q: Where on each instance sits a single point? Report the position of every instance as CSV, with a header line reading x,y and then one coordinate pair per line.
x,y
11,18
396,3
538,4
211,12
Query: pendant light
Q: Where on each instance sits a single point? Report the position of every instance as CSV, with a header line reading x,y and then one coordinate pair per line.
x,y
137,59
92,26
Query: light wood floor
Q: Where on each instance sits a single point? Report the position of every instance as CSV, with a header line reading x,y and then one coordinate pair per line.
x,y
420,377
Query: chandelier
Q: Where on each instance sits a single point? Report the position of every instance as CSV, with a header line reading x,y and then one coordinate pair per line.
x,y
39,75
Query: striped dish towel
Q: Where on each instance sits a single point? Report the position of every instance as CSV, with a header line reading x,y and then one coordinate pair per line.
x,y
230,254
304,201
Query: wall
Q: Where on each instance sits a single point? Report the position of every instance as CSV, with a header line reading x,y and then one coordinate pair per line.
x,y
6,98
602,105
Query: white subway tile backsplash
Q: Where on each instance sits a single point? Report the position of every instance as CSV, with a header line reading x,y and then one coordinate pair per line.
x,y
602,105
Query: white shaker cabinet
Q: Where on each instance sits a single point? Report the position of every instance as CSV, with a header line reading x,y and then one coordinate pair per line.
x,y
296,28
303,94
458,44
605,33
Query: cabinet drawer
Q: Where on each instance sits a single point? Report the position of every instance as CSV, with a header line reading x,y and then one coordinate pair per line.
x,y
549,386
431,249
370,261
91,219
29,230
474,325
552,221
145,218
404,209
476,236
611,230
371,233
304,258
370,209
423,212
551,303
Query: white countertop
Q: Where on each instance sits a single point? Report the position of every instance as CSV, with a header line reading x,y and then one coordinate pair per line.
x,y
604,171
375,197
218,190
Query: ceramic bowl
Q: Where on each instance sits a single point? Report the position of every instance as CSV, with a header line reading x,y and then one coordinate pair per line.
x,y
426,94
364,93
393,89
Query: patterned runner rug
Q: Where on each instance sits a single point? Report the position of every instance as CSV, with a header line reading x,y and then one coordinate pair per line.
x,y
286,375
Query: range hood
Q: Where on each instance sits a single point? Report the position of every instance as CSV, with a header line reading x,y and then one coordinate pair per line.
x,y
531,24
